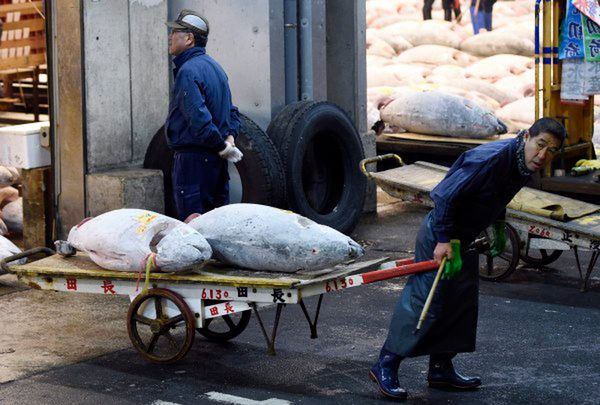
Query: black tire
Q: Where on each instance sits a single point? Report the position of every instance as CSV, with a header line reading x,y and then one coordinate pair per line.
x,y
261,170
500,267
160,157
545,256
321,151
259,174
279,125
234,325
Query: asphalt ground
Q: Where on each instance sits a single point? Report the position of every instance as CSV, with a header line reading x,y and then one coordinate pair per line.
x,y
537,343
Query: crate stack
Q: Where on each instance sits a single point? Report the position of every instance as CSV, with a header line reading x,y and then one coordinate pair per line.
x,y
23,61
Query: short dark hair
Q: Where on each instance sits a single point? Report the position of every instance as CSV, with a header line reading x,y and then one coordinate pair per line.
x,y
550,126
200,39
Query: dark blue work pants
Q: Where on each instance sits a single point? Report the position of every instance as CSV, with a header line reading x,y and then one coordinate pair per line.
x,y
200,182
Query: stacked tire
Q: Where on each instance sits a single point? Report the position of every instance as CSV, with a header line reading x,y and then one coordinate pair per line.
x,y
308,162
320,150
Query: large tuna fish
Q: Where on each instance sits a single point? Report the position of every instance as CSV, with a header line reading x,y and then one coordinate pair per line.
x,y
378,47
395,41
435,55
498,66
8,195
502,96
7,248
493,43
395,75
519,114
12,215
433,32
8,176
259,237
436,113
123,239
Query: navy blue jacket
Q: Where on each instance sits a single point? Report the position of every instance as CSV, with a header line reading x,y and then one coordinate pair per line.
x,y
476,190
201,114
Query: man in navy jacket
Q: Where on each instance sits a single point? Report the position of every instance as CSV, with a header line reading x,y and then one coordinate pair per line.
x,y
471,197
202,123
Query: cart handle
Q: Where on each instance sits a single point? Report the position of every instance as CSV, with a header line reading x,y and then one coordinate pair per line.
x,y
374,159
26,254
399,271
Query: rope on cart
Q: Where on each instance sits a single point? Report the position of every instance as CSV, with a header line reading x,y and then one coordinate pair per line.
x,y
150,265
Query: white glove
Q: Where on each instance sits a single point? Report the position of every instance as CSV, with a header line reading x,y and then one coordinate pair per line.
x,y
231,153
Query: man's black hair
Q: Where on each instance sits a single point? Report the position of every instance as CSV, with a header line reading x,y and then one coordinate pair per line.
x,y
550,126
200,39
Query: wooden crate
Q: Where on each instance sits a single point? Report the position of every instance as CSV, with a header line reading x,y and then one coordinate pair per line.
x,y
22,52
23,42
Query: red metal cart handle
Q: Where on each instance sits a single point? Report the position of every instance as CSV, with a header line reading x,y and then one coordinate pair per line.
x,y
400,270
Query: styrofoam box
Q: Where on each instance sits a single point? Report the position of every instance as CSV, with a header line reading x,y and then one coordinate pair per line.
x,y
20,146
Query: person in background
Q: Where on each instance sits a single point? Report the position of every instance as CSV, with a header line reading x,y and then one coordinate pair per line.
x,y
447,5
481,15
202,123
471,197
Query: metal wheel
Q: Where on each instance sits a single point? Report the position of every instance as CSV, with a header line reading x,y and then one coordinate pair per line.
x,y
502,266
226,327
161,326
539,257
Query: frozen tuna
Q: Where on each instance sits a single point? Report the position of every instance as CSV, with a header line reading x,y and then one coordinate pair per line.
x,y
8,176
478,85
123,239
12,215
8,195
395,75
436,113
378,47
493,43
519,114
3,227
498,66
433,32
7,248
435,55
259,237
395,41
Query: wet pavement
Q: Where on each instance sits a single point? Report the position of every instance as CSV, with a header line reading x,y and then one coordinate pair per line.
x,y
537,343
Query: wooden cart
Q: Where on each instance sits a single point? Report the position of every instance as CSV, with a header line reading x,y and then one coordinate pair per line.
x,y
214,300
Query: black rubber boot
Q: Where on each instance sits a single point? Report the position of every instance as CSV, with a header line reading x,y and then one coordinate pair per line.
x,y
442,374
385,374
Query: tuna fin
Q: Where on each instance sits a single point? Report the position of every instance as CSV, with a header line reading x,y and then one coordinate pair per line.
x,y
191,217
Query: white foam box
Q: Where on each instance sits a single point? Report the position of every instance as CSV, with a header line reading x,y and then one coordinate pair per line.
x,y
20,146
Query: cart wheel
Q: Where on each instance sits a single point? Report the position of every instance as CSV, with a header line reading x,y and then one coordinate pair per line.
x,y
539,257
499,267
224,328
161,326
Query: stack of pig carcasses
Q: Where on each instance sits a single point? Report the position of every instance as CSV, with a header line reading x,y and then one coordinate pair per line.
x,y
494,70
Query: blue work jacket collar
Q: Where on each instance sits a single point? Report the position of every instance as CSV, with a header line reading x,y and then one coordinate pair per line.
x,y
186,55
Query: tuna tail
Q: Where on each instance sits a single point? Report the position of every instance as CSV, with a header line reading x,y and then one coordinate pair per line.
x,y
354,249
502,127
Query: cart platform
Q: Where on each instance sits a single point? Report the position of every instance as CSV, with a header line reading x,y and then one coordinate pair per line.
x,y
215,300
81,266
